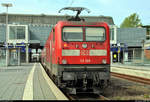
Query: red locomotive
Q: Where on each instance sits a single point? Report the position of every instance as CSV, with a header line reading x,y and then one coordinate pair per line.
x,y
77,55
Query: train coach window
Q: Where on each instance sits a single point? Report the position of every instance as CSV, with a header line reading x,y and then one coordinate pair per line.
x,y
73,34
95,34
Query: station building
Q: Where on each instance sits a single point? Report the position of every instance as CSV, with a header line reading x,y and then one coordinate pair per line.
x,y
129,44
30,32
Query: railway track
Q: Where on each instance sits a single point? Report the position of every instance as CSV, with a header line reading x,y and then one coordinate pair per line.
x,y
132,78
86,97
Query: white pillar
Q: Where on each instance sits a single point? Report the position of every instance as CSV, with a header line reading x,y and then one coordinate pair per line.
x,y
7,56
19,57
27,53
7,50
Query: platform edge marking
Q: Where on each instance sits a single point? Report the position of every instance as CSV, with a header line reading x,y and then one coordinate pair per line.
x,y
59,95
28,91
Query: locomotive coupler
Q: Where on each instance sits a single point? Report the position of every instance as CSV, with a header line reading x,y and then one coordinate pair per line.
x,y
84,81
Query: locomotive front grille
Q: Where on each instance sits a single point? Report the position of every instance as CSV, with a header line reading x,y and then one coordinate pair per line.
x,y
89,75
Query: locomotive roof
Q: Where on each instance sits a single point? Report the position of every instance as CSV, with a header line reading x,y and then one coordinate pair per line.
x,y
80,23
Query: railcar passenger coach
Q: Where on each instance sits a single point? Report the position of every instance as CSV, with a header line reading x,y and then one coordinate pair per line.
x,y
77,56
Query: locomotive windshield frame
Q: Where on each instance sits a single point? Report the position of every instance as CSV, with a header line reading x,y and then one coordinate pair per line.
x,y
84,37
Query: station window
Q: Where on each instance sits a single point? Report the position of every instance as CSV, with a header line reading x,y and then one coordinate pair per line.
x,y
17,32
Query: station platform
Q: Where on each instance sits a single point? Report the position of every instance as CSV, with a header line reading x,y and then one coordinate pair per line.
x,y
138,71
27,82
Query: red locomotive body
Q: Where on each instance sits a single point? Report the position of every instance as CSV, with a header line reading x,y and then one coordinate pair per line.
x,y
77,55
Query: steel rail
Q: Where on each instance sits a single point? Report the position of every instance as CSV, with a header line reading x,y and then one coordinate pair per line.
x,y
103,98
100,97
132,78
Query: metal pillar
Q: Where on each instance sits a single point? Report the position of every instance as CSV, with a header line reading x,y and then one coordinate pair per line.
x,y
7,57
7,50
19,57
27,53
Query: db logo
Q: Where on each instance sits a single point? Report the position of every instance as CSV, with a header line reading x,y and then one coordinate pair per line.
x,y
84,52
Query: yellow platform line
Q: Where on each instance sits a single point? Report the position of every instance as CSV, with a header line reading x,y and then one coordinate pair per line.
x,y
28,91
59,95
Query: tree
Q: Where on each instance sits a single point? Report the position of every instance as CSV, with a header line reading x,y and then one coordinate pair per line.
x,y
131,21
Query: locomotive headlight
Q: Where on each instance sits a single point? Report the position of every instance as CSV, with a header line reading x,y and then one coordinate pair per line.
x,y
104,61
64,61
65,45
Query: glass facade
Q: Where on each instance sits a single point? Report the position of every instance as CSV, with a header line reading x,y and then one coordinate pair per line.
x,y
16,32
2,57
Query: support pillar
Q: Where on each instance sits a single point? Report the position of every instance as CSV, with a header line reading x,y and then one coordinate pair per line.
x,y
7,57
27,53
19,57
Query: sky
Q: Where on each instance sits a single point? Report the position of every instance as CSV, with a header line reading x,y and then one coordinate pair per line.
x,y
117,9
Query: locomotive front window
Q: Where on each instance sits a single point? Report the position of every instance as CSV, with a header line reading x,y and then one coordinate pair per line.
x,y
95,34
73,34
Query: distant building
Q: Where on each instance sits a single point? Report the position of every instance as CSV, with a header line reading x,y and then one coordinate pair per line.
x,y
129,44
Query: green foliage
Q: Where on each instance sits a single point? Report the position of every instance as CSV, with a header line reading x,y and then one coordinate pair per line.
x,y
131,21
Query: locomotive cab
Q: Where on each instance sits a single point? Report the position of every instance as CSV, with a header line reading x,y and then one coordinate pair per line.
x,y
83,55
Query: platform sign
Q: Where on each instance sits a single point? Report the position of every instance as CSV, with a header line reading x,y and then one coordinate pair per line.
x,y
114,49
22,43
